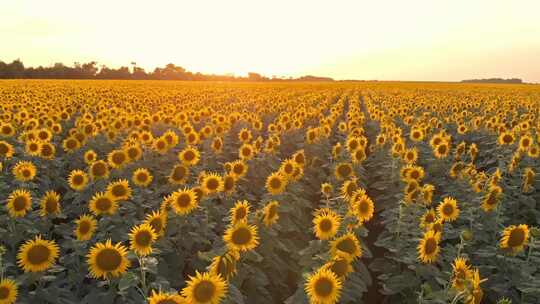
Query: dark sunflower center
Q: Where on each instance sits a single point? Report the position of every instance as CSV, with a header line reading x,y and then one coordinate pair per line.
x,y
20,203
179,173
4,292
143,238
142,177
441,149
46,150
119,190
344,170
204,291
325,225
363,207
51,205
84,227
118,158
448,209
430,246
108,259
99,169
133,152
275,183
507,138
241,236
340,267
347,245
212,184
78,179
183,200
229,183
516,238
324,287
38,254
241,213
246,152
189,155
103,204
3,148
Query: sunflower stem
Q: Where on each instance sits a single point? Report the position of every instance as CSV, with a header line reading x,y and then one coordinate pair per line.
x,y
143,275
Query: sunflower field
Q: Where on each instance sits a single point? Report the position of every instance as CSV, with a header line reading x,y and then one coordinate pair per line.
x,y
165,192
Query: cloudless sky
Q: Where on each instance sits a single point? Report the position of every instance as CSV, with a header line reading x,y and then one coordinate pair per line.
x,y
377,39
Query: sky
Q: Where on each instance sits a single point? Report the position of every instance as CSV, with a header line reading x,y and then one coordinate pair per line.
x,y
434,40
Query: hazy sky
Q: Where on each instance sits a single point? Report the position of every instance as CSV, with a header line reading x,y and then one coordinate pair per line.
x,y
377,39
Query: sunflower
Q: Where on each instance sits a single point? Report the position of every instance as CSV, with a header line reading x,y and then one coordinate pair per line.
x,y
343,171
6,149
103,203
141,238
47,150
184,201
50,203
106,260
346,245
348,188
119,190
37,255
276,183
179,174
515,238
428,218
212,183
492,198
190,156
229,184
99,169
161,145
244,135
238,169
528,179
165,298
24,171
239,212
410,156
19,203
448,210
339,265
32,147
6,129
142,177
414,172
461,272
8,291
442,150
205,288
327,189
428,247
363,208
224,265
241,237
158,221
323,287
78,180
427,193
117,158
533,152
287,167
71,144
270,213
86,226
506,138
217,145
246,151
326,224
133,151
90,156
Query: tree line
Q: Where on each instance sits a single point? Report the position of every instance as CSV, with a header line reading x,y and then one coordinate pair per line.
x,y
91,70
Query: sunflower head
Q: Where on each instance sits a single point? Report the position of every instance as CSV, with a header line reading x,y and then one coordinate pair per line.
x,y
240,212
276,183
448,209
78,180
347,246
515,238
141,238
99,169
241,237
323,286
205,288
165,298
8,291
19,203
119,190
24,171
326,224
50,203
85,227
212,183
428,248
142,177
270,213
106,260
37,255
158,221
103,203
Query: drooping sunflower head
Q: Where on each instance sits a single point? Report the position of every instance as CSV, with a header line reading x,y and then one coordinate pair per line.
x,y
158,221
86,226
106,260
323,287
37,255
165,298
343,171
348,188
50,203
179,174
119,190
276,183
205,288
241,237
224,265
492,198
515,238
19,203
78,180
326,224
270,213
184,201
461,272
346,245
428,247
339,265
141,239
8,291
448,210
